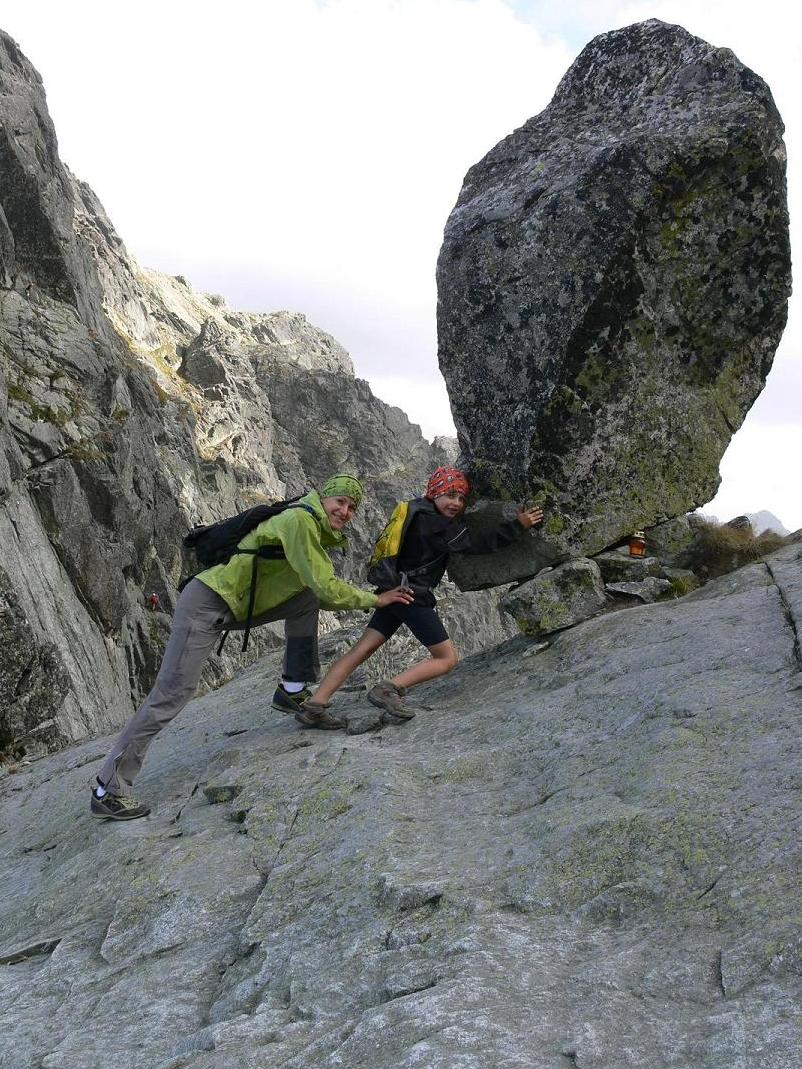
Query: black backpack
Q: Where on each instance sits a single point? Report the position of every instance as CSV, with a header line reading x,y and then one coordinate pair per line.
x,y
217,543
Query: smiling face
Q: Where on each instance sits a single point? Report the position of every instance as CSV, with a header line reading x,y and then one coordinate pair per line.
x,y
450,504
340,511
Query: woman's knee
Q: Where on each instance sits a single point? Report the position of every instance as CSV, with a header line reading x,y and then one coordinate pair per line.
x,y
165,702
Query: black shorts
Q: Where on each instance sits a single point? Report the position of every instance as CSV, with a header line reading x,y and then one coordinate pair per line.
x,y
422,621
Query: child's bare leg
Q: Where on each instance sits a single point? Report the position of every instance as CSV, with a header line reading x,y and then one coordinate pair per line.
x,y
443,658
345,665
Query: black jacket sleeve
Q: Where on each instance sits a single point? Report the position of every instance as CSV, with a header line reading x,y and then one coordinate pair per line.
x,y
476,542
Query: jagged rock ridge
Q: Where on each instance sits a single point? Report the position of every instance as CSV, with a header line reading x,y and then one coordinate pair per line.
x,y
131,408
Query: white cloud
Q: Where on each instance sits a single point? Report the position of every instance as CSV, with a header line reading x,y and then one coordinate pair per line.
x,y
421,399
291,153
318,141
761,471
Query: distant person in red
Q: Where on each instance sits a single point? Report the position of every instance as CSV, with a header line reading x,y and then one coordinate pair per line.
x,y
413,553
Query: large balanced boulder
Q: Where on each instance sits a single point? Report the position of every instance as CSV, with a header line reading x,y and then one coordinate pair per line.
x,y
613,284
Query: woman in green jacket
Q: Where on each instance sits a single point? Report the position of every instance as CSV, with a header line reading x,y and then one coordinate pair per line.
x,y
292,588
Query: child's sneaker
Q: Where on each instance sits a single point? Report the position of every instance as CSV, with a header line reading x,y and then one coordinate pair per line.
x,y
117,807
289,703
388,696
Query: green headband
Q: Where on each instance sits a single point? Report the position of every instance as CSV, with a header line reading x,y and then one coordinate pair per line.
x,y
341,485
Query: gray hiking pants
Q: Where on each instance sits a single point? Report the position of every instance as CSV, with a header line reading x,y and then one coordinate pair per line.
x,y
200,617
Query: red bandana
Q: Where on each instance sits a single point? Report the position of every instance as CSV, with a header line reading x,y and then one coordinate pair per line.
x,y
445,480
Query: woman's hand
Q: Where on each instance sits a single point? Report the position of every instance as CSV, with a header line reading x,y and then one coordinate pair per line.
x,y
528,517
399,595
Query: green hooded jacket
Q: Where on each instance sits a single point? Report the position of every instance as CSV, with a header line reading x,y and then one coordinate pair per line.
x,y
305,539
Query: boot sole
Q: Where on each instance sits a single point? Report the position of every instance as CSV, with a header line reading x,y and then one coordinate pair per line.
x,y
406,714
118,816
281,709
320,727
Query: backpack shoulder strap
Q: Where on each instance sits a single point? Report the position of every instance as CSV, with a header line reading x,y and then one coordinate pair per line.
x,y
265,553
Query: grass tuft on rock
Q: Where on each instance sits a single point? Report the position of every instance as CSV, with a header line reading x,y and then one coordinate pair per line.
x,y
719,548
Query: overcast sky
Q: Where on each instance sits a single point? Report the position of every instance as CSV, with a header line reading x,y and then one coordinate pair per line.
x,y
305,154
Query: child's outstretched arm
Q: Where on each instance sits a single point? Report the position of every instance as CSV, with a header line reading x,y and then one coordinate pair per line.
x,y
507,532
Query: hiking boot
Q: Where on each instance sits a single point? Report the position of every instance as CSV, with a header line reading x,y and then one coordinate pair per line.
x,y
388,696
314,715
117,807
290,703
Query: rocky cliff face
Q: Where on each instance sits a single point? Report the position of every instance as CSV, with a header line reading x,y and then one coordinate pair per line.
x,y
131,408
612,287
581,855
586,856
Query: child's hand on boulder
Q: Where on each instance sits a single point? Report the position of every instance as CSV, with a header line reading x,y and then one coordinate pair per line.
x,y
528,517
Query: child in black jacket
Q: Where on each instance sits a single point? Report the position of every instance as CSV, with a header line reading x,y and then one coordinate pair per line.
x,y
427,531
